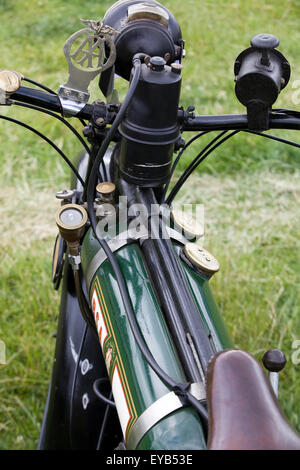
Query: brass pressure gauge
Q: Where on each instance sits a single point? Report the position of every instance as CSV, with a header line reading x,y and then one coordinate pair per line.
x,y
201,259
71,220
189,227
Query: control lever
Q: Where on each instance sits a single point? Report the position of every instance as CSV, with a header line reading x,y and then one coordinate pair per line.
x,y
274,361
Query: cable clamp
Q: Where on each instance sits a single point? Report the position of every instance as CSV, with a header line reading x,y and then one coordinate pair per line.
x,y
75,261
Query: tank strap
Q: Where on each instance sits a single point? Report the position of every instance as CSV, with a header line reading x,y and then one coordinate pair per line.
x,y
123,239
161,408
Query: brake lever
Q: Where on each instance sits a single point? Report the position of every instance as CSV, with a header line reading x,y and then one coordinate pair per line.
x,y
85,62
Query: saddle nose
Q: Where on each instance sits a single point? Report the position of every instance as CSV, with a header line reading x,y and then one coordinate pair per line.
x,y
244,413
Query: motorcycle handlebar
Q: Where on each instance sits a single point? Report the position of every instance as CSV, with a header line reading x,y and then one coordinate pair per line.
x,y
237,122
51,102
47,101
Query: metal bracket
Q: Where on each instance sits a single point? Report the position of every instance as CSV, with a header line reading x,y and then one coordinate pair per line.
x,y
85,54
161,408
114,244
121,240
75,261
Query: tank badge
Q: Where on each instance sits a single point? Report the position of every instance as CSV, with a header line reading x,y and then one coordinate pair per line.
x,y
85,52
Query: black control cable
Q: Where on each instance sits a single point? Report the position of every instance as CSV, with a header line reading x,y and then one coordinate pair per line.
x,y
42,136
96,387
289,112
39,85
61,119
210,147
273,137
166,187
202,156
45,88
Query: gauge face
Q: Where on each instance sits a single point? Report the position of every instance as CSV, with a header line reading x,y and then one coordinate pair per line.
x,y
71,220
71,217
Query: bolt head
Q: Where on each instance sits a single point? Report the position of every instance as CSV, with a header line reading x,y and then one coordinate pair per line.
x,y
100,121
65,194
157,63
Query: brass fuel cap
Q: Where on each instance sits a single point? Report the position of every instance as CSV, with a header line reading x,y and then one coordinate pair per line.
x,y
201,259
187,224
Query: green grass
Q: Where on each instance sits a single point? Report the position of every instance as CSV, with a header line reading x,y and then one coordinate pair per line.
x,y
250,188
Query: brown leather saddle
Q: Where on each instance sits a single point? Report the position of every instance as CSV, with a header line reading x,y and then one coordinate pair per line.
x,y
244,413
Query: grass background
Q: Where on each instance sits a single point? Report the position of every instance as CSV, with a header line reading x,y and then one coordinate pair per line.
x,y
250,188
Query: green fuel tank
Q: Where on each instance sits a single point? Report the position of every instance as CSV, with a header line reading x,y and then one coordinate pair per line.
x,y
151,416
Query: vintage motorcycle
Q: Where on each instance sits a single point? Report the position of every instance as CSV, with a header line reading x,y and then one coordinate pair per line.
x,y
143,360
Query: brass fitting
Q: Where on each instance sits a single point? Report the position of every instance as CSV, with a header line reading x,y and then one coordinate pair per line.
x,y
71,220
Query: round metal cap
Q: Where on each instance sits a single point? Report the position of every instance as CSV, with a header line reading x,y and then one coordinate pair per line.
x,y
157,63
187,224
265,41
65,194
274,360
201,258
105,188
176,68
